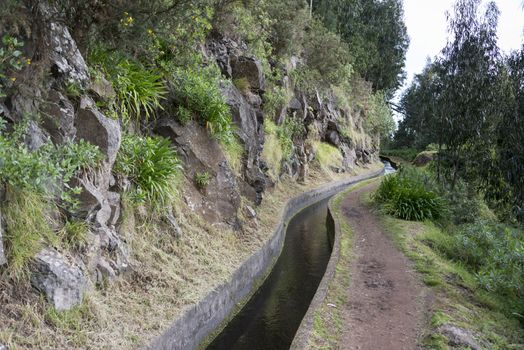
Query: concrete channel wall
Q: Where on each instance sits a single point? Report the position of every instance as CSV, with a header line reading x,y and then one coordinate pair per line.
x,y
200,320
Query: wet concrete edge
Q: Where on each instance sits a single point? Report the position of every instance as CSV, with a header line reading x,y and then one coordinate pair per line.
x,y
200,320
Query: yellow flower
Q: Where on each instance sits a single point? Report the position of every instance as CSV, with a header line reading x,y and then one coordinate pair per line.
x,y
13,79
28,61
150,31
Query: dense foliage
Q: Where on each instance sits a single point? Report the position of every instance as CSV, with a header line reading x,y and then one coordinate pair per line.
x,y
46,169
469,103
410,195
376,35
152,165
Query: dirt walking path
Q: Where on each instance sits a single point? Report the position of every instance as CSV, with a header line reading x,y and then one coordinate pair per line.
x,y
385,307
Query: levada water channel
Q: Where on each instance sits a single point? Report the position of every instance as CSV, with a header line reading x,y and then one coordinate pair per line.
x,y
272,316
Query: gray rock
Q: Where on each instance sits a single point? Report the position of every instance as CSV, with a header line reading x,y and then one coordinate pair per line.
x,y
63,284
250,131
99,130
349,156
67,62
115,247
35,137
59,118
250,212
250,69
104,270
102,89
91,197
294,105
333,138
221,199
459,337
173,222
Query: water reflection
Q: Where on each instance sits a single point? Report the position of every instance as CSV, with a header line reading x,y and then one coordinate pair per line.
x,y
272,316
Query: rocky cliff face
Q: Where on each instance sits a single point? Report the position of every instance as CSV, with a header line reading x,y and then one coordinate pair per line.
x,y
41,89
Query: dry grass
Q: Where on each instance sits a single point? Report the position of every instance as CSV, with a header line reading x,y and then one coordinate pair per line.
x,y
168,275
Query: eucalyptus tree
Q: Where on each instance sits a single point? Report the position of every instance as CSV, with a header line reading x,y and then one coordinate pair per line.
x,y
469,70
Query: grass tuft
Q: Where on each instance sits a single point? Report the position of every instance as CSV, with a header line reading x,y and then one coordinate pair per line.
x,y
26,215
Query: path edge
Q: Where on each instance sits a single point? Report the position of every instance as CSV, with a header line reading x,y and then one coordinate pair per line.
x,y
304,331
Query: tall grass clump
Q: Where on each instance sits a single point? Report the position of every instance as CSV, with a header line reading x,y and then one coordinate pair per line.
x,y
139,90
26,216
409,195
328,156
198,92
152,165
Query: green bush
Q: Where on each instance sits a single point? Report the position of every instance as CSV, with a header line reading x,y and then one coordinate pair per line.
x,y
183,115
494,252
409,195
11,59
379,119
139,90
152,165
46,169
198,91
202,179
275,99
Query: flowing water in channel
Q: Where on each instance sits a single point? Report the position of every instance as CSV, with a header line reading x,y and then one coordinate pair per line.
x,y
272,316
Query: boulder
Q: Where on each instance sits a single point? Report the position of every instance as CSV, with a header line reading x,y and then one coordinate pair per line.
x,y
62,283
424,158
59,117
98,130
67,62
220,201
459,337
102,89
333,138
250,69
251,133
349,156
34,137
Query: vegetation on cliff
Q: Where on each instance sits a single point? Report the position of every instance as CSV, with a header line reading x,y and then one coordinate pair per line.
x,y
138,141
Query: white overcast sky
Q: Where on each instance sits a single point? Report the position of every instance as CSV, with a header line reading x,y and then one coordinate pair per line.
x,y
426,23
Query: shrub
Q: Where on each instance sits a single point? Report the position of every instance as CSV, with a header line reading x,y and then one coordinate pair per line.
x,y
138,89
202,179
234,152
74,234
326,54
407,154
275,99
199,92
494,252
46,169
379,119
152,165
11,59
409,195
183,115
